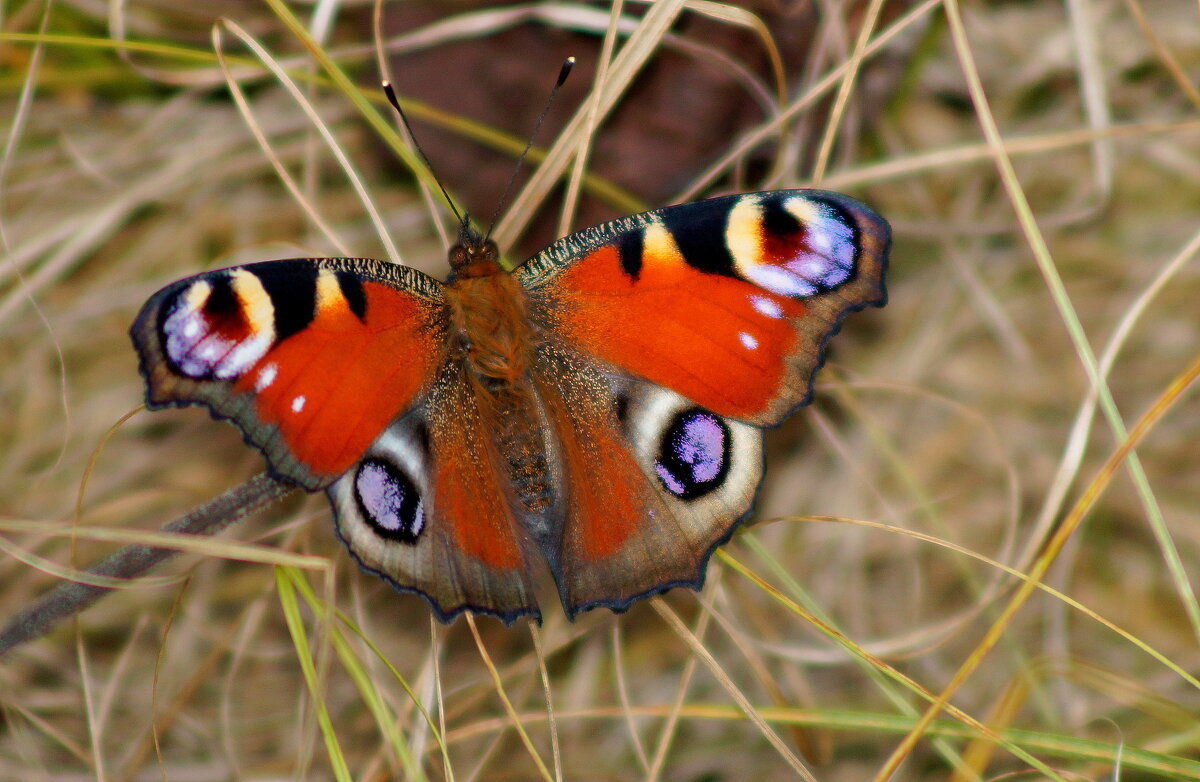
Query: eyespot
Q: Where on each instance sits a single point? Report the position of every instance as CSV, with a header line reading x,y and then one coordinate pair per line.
x,y
218,327
389,501
694,453
792,245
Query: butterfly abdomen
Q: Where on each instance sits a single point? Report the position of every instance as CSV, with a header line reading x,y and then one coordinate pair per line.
x,y
522,447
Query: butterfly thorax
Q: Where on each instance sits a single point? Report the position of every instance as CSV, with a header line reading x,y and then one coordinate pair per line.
x,y
490,334
489,326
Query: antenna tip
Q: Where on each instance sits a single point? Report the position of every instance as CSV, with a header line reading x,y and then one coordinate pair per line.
x,y
391,96
567,65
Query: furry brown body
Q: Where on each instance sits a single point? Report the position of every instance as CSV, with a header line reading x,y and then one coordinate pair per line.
x,y
492,335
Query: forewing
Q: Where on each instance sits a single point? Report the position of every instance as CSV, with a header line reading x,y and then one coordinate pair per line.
x,y
729,302
310,358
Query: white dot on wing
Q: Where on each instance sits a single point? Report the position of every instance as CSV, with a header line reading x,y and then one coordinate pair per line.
x,y
766,306
266,376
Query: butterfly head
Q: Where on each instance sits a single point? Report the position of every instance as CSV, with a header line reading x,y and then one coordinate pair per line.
x,y
473,255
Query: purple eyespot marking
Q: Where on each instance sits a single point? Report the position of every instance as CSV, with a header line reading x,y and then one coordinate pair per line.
x,y
693,457
208,333
815,248
389,501
831,258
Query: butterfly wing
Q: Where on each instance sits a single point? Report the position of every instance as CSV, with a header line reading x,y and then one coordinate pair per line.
x,y
337,370
310,358
671,337
652,483
428,509
728,302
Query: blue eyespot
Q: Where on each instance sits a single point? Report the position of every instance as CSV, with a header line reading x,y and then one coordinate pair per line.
x,y
389,501
693,458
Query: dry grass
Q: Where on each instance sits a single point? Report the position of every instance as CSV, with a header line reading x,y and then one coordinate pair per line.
x,y
1045,222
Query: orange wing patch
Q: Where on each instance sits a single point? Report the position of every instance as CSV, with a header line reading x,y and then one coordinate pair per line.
x,y
604,485
333,387
469,492
717,340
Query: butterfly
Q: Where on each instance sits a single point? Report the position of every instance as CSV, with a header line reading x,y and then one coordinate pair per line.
x,y
598,410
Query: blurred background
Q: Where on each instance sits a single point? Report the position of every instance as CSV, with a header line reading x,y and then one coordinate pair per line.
x,y
1039,163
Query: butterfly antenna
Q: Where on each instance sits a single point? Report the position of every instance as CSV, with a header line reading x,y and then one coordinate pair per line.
x,y
563,73
391,96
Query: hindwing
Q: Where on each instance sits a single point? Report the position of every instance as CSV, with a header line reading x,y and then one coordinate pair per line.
x,y
429,509
651,483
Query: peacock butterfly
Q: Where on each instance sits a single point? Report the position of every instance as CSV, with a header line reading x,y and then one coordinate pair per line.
x,y
601,406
